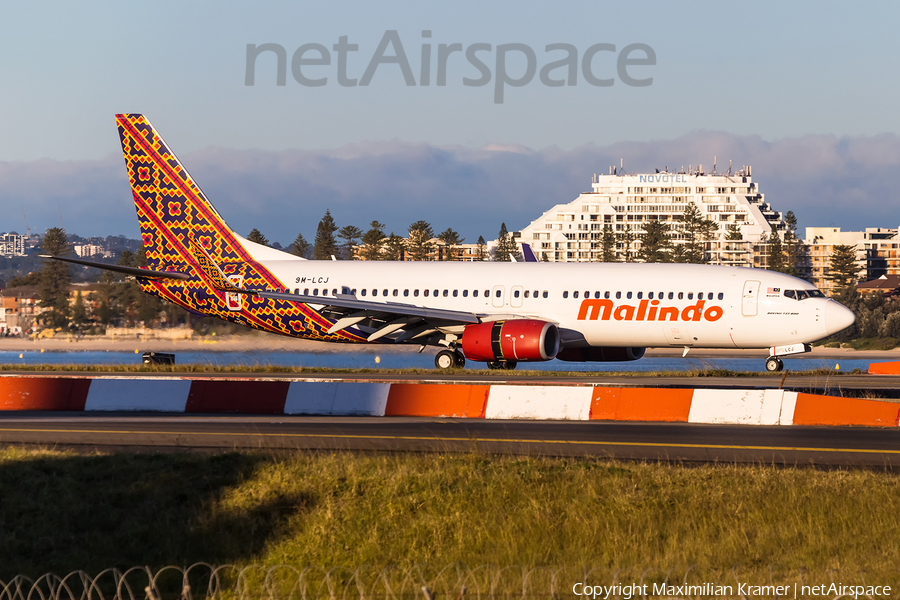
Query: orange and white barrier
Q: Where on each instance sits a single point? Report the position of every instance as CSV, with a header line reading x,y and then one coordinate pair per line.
x,y
477,401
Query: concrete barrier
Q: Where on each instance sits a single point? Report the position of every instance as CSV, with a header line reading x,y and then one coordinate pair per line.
x,y
539,402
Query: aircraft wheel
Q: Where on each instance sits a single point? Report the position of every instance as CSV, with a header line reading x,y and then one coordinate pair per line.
x,y
510,365
445,359
460,359
774,365
494,364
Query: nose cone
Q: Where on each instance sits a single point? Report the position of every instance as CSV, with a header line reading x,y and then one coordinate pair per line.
x,y
838,317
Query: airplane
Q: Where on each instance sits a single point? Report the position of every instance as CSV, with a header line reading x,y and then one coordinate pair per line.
x,y
492,312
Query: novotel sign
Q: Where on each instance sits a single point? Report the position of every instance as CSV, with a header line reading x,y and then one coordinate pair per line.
x,y
663,178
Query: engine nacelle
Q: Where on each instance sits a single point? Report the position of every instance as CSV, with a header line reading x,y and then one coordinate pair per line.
x,y
601,354
513,340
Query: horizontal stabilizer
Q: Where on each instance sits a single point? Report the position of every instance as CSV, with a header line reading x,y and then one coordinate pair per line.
x,y
211,268
136,271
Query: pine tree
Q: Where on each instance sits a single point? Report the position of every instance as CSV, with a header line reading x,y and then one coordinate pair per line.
x,y
776,252
733,233
506,246
626,238
257,237
394,247
55,279
452,239
299,247
696,230
608,244
372,242
655,243
349,234
481,249
325,245
794,249
79,311
418,245
843,271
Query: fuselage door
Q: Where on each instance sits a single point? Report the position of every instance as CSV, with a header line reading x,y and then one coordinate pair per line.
x,y
515,297
749,303
497,296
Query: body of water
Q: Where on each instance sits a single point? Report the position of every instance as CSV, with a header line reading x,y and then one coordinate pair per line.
x,y
353,360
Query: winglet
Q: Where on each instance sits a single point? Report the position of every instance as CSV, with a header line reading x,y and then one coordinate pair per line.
x,y
528,253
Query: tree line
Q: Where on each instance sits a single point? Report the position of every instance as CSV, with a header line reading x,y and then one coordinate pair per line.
x,y
352,243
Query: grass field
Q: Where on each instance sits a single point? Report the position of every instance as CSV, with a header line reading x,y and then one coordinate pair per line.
x,y
61,511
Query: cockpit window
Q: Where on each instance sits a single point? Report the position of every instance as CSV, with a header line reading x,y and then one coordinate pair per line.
x,y
803,294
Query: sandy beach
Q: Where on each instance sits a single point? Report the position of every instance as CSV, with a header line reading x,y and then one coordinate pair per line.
x,y
262,342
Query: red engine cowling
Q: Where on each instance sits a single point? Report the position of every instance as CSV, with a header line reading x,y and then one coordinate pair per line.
x,y
513,340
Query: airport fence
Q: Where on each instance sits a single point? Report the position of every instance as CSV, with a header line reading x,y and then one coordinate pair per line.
x,y
457,581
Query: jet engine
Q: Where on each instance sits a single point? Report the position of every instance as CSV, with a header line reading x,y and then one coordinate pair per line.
x,y
513,340
601,354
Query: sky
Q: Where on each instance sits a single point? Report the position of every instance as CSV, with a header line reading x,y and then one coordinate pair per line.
x,y
805,92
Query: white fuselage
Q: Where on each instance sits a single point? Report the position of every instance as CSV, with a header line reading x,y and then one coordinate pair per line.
x,y
628,304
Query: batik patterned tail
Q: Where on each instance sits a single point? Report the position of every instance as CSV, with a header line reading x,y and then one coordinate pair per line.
x,y
173,212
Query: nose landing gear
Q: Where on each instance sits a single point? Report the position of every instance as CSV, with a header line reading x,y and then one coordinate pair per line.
x,y
774,364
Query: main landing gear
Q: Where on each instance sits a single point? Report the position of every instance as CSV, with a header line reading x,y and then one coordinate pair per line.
x,y
449,359
774,364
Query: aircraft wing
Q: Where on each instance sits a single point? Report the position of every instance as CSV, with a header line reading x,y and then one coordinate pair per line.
x,y
379,318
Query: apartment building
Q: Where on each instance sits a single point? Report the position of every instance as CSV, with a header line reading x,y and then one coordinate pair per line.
x,y
571,232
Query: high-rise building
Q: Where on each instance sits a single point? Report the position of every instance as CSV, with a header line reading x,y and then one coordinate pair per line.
x,y
877,252
12,244
626,201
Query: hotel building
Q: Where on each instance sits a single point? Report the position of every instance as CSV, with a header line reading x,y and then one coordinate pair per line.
x,y
625,201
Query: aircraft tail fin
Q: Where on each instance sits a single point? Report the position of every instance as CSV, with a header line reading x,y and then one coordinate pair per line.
x,y
183,233
170,205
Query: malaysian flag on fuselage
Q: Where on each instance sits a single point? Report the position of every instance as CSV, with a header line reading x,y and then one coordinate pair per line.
x,y
773,291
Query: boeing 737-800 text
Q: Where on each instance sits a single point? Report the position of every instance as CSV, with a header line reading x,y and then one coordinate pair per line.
x,y
498,313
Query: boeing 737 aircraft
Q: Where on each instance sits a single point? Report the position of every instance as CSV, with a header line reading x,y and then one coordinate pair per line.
x,y
498,313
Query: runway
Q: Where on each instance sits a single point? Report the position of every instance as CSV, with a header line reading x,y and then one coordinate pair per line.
x,y
824,446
